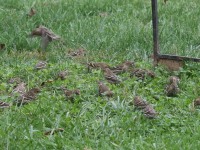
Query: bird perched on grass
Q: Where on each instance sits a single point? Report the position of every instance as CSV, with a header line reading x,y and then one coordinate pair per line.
x,y
139,103
70,94
41,65
125,66
20,88
104,90
62,75
79,52
97,65
142,73
15,80
197,102
149,112
46,35
111,77
27,97
4,105
172,88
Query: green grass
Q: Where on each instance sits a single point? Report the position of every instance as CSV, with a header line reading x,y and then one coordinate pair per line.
x,y
91,121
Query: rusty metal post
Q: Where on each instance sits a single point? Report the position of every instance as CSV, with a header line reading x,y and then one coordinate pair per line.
x,y
156,50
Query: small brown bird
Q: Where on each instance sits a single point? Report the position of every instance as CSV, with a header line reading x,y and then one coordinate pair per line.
x,y
4,105
139,103
79,52
197,102
41,65
104,90
27,97
20,88
71,93
46,34
97,65
142,73
174,79
62,75
172,89
32,12
111,77
149,112
125,66
16,80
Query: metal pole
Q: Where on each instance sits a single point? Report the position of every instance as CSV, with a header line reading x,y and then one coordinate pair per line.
x,y
156,50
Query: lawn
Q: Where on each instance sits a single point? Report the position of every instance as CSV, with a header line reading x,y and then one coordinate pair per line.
x,y
110,31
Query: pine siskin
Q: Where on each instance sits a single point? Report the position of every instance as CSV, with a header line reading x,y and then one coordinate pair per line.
x,y
20,88
142,73
149,112
79,52
4,105
104,90
174,79
110,76
123,67
97,65
71,93
27,97
41,65
45,34
62,75
14,80
172,89
139,102
197,102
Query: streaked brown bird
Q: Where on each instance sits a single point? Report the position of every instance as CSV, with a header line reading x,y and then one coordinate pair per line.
x,y
172,88
104,90
197,102
79,52
46,35
174,79
125,66
20,88
62,75
27,97
70,94
15,80
4,105
139,103
142,73
41,65
111,77
97,65
149,112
